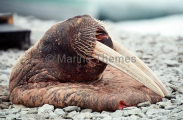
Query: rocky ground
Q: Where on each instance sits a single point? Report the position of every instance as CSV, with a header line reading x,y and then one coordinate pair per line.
x,y
163,54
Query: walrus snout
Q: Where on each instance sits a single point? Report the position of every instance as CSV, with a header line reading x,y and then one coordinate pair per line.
x,y
103,37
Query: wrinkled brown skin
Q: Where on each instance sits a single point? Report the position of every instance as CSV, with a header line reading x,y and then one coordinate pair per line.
x,y
35,80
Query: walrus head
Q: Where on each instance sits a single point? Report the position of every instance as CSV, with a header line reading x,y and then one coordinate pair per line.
x,y
84,37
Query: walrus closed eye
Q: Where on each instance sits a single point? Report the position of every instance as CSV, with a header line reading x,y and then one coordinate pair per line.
x,y
68,66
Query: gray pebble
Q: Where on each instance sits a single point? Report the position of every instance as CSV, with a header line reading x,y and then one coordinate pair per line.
x,y
71,108
164,99
86,115
71,114
171,63
117,113
141,115
2,114
86,110
163,104
15,110
134,117
161,118
170,107
17,106
129,108
106,112
144,109
152,111
23,112
119,118
12,116
46,108
134,111
52,115
110,118
100,115
144,104
32,111
60,112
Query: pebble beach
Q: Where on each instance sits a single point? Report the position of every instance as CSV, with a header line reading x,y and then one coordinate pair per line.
x,y
163,54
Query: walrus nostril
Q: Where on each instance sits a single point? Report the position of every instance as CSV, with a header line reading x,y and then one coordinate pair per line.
x,y
104,38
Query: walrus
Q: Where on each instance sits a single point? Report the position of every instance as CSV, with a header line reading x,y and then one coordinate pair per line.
x,y
75,64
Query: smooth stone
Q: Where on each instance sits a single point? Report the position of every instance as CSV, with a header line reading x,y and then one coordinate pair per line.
x,y
180,90
180,114
144,104
144,109
170,97
86,110
34,117
60,118
2,113
134,111
117,113
106,112
161,118
4,77
71,114
33,111
134,117
25,109
152,111
44,116
17,106
170,107
171,63
129,108
46,108
86,115
146,57
179,98
71,108
164,100
23,112
52,115
163,104
59,112
178,109
12,116
110,118
100,115
175,88
119,118
95,112
15,110
125,113
141,115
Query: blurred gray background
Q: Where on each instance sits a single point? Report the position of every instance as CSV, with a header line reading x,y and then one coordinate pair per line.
x,y
155,17
114,10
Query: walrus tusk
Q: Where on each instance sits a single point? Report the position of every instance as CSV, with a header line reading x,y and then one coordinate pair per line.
x,y
104,54
140,64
